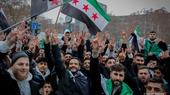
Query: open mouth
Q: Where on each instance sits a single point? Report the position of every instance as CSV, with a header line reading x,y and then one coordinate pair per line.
x,y
47,92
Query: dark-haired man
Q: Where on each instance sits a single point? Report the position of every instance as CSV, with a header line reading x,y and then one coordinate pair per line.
x,y
155,87
151,45
107,86
115,85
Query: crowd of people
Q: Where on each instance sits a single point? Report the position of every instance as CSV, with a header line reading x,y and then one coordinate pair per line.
x,y
78,64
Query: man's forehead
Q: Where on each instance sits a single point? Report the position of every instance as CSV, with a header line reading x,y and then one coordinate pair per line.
x,y
156,85
88,53
119,72
152,33
87,60
154,61
68,55
143,70
111,59
105,56
74,60
139,57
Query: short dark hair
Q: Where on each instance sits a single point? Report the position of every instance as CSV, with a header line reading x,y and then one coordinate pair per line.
x,y
139,54
152,57
157,80
142,67
85,59
118,67
76,59
152,31
162,70
110,58
67,53
41,59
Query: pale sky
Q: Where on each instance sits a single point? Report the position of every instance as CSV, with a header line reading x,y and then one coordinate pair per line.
x,y
121,7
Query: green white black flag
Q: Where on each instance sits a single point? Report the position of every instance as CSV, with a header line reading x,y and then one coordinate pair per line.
x,y
40,6
89,12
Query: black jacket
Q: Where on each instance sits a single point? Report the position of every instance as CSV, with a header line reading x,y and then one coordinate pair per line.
x,y
9,86
95,77
67,86
131,77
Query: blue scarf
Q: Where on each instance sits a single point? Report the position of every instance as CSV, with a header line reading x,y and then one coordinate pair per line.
x,y
81,81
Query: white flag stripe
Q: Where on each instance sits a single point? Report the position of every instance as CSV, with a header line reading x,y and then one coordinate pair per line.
x,y
101,22
51,5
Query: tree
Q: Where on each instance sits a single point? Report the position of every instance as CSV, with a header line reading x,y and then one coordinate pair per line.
x,y
15,10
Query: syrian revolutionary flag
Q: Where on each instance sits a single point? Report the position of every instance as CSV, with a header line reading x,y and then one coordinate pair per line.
x,y
89,12
40,6
3,21
135,39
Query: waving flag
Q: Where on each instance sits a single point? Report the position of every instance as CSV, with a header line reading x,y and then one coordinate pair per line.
x,y
40,6
89,12
3,21
135,39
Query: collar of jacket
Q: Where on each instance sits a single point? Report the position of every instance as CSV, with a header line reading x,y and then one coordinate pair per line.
x,y
77,74
125,89
46,73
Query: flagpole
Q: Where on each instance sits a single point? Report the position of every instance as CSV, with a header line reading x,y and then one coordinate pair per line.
x,y
26,19
57,17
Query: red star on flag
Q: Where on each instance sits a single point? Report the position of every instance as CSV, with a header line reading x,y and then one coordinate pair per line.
x,y
75,1
94,16
86,7
55,2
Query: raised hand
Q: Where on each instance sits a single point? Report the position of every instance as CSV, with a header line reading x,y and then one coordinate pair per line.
x,y
141,43
21,30
158,40
2,36
86,35
121,56
78,41
47,34
12,37
123,51
70,45
32,46
21,26
54,38
101,46
107,35
95,48
112,42
95,45
129,50
66,40
165,54
124,37
73,36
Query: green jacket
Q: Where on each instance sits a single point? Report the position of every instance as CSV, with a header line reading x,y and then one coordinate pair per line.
x,y
154,49
126,90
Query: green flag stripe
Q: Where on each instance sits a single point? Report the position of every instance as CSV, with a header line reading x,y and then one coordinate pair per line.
x,y
101,22
137,31
99,9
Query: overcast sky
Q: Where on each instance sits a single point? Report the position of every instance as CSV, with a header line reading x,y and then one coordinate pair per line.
x,y
122,7
125,7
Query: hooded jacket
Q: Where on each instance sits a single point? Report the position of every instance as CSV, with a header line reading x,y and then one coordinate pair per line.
x,y
39,77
